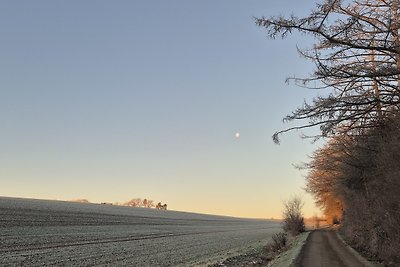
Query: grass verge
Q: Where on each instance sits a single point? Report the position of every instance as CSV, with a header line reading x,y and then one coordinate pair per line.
x,y
266,256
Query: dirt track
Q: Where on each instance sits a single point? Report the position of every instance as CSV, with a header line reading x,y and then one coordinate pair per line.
x,y
324,248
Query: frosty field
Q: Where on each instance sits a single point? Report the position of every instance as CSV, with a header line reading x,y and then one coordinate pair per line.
x,y
42,232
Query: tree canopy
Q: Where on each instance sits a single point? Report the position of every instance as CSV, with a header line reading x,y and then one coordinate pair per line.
x,y
355,176
356,61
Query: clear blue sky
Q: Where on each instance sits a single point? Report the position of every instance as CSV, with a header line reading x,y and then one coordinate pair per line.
x,y
112,100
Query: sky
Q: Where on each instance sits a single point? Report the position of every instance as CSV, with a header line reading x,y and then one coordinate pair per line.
x,y
114,100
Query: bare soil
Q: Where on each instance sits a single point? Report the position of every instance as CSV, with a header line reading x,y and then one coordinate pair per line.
x,y
54,233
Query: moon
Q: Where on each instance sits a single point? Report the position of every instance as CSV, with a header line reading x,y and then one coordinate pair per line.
x,y
237,135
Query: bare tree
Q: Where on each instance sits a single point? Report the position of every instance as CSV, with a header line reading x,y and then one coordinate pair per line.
x,y
138,202
357,61
293,220
356,56
135,202
148,203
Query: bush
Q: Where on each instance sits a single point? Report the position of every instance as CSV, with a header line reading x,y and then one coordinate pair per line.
x,y
293,220
279,242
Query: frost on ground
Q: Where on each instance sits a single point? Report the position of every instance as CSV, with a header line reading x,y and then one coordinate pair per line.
x,y
39,232
262,256
289,257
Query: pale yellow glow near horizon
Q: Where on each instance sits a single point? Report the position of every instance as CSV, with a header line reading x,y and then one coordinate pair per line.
x,y
268,208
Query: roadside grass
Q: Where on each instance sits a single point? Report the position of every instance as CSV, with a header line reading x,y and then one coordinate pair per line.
x,y
282,251
288,256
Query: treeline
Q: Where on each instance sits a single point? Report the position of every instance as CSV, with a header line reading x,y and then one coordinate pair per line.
x,y
356,180
355,176
134,202
140,203
144,203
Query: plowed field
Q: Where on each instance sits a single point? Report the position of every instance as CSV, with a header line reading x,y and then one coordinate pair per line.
x,y
42,232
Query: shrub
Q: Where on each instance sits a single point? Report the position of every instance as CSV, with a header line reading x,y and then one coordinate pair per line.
x,y
293,220
279,242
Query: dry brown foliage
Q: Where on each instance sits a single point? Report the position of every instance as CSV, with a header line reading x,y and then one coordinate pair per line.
x,y
362,173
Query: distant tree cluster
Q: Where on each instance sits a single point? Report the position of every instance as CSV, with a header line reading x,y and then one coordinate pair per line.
x,y
134,202
355,177
138,202
144,203
161,206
